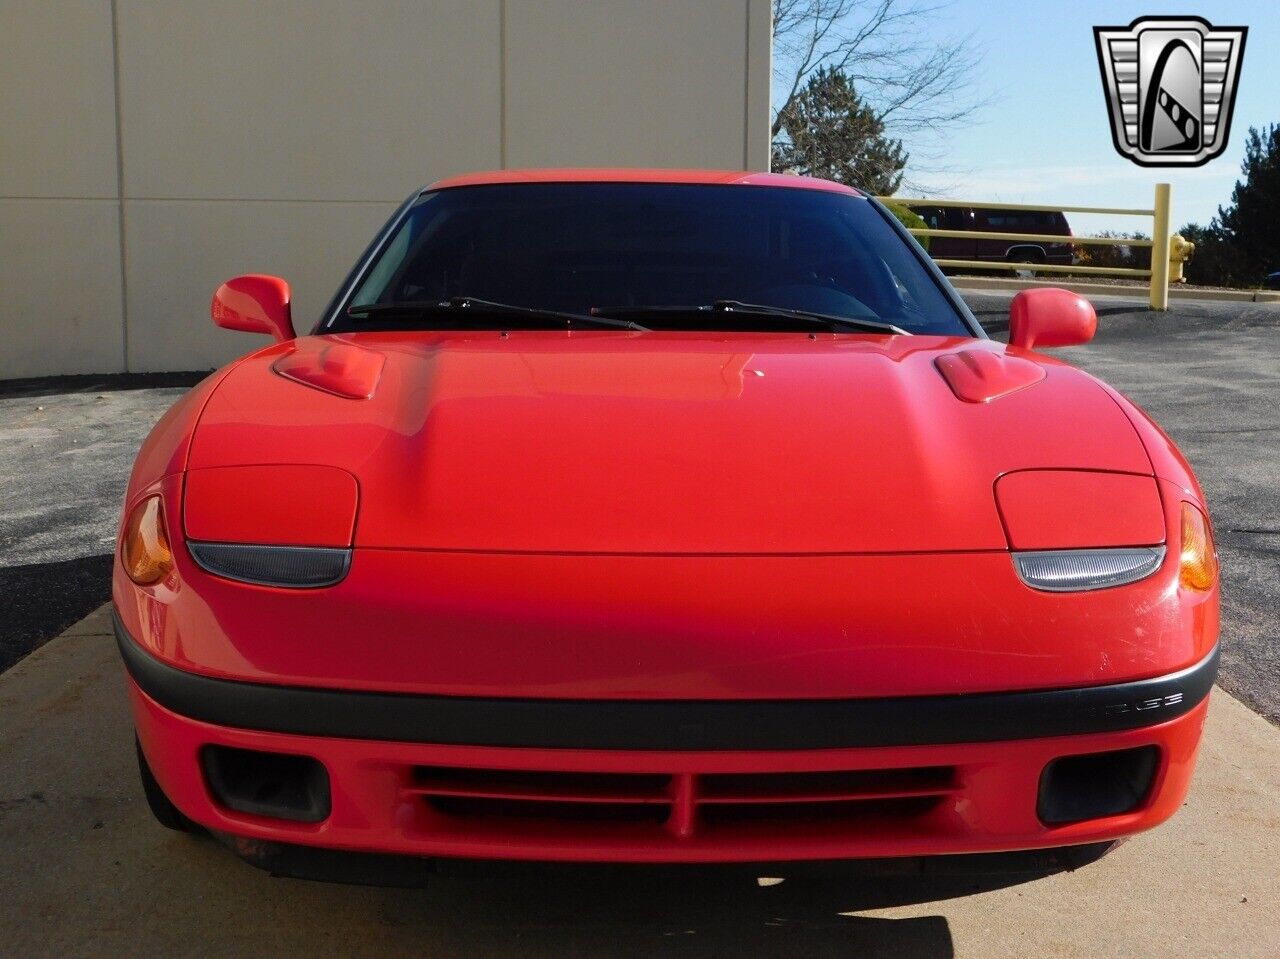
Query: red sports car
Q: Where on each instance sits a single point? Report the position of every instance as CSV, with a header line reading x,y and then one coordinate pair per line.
x,y
660,516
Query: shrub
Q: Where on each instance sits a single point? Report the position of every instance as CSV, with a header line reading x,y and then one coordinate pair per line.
x,y
1131,257
910,219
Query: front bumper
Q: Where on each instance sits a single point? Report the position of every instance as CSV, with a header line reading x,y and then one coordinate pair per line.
x,y
668,781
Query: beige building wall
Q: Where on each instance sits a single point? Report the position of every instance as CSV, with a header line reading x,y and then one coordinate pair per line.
x,y
150,150
61,307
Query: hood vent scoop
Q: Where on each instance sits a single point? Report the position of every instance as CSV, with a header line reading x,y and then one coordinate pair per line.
x,y
980,376
342,369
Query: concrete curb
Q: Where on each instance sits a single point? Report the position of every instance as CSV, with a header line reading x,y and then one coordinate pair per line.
x,y
1108,289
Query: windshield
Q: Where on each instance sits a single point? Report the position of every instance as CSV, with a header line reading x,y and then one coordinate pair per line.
x,y
645,251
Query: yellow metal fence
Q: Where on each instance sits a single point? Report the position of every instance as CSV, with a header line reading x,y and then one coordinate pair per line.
x,y
1157,275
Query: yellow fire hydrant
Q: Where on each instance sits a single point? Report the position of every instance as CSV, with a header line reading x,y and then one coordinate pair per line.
x,y
1180,251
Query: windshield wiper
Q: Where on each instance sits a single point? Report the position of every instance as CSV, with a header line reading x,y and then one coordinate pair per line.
x,y
459,307
827,321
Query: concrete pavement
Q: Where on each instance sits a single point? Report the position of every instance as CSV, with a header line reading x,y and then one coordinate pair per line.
x,y
87,873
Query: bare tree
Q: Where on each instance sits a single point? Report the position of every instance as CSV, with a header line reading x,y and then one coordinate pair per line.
x,y
915,87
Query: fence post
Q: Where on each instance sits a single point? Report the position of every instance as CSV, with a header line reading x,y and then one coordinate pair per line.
x,y
1160,250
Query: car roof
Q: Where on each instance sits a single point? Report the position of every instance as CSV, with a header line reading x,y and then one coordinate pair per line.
x,y
640,175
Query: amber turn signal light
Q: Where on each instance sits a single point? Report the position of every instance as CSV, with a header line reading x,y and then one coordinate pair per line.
x,y
1198,569
145,552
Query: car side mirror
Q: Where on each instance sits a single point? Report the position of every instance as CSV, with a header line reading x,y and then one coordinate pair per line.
x,y
254,303
1049,316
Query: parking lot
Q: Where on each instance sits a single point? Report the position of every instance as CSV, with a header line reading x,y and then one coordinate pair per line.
x,y
88,873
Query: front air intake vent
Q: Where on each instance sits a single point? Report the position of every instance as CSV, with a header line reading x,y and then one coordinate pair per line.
x,y
278,785
296,567
1094,785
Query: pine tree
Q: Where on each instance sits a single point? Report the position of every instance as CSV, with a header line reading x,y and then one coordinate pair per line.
x,y
1215,262
827,131
1241,244
1251,223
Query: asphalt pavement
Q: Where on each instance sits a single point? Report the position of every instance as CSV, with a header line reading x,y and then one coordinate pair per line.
x,y
66,448
1208,372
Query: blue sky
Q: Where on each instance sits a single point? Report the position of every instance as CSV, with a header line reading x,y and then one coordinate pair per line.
x,y
1045,135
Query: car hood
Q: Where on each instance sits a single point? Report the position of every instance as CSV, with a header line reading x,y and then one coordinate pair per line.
x,y
664,443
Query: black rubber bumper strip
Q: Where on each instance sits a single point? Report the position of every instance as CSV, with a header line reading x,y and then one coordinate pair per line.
x,y
669,724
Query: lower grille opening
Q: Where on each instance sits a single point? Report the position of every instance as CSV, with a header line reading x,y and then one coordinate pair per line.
x,y
1076,788
471,807
536,783
279,785
551,797
828,786
681,805
846,812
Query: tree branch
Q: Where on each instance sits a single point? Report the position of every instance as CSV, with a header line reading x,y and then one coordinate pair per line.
x,y
913,87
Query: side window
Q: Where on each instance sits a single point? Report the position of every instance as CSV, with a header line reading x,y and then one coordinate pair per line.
x,y
387,265
1018,221
933,217
1008,221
